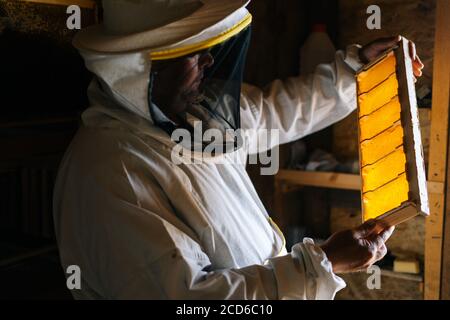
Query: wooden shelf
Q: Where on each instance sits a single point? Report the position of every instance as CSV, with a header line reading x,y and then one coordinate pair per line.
x,y
333,180
401,275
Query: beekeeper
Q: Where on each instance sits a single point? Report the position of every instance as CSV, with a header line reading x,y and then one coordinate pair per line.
x,y
140,226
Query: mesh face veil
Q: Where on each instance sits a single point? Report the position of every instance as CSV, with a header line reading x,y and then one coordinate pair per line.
x,y
201,88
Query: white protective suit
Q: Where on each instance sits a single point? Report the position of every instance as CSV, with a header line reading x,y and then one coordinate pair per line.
x,y
139,226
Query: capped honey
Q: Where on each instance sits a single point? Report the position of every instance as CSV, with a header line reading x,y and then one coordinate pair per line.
x,y
378,73
383,171
381,145
380,120
392,170
386,198
378,96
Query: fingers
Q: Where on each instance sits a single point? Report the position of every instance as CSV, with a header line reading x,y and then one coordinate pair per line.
x,y
375,254
382,251
417,67
417,63
372,50
376,244
365,229
387,43
417,73
383,44
412,50
378,240
386,233
377,249
369,227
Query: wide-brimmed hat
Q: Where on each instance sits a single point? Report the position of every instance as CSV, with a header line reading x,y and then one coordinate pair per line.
x,y
161,25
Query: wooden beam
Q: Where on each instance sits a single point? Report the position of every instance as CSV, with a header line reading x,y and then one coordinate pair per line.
x,y
436,187
331,180
438,152
445,274
89,4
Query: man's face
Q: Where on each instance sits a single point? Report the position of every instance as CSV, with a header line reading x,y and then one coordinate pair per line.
x,y
177,83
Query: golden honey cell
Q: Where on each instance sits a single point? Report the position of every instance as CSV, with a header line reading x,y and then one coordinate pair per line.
x,y
383,171
378,96
386,198
381,145
367,80
380,120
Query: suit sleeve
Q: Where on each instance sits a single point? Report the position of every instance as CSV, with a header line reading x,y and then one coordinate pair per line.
x,y
299,106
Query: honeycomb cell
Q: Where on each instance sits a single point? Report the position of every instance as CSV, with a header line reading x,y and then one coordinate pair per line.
x,y
378,96
386,198
380,120
381,145
383,171
379,72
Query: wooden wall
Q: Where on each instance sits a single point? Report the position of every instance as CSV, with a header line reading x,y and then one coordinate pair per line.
x,y
43,93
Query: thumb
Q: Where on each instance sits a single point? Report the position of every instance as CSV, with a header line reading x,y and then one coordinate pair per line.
x,y
386,233
378,239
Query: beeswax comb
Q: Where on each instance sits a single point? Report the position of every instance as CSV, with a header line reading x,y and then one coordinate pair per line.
x,y
393,176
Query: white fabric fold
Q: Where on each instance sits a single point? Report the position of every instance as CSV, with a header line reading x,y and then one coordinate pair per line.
x,y
306,274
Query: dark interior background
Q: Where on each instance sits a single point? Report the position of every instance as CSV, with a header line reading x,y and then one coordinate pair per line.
x,y
43,93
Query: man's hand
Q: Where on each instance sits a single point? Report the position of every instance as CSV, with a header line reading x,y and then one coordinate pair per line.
x,y
359,248
372,50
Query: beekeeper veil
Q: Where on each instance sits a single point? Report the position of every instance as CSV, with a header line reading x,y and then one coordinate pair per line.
x,y
181,73
201,90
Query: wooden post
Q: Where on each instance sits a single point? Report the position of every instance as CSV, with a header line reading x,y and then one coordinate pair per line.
x,y
437,170
445,278
445,96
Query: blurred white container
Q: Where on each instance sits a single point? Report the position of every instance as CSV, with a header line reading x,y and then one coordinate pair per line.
x,y
316,50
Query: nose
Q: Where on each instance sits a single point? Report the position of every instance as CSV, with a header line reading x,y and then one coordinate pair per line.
x,y
205,61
